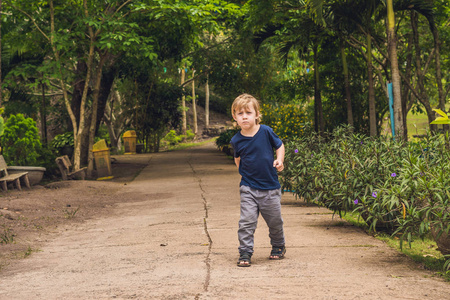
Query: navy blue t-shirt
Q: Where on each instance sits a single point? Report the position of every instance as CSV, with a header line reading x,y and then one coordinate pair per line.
x,y
257,156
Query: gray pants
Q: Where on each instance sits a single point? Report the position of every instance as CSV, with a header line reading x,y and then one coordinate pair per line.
x,y
254,201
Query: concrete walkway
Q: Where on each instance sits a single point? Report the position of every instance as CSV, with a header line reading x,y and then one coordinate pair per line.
x,y
178,240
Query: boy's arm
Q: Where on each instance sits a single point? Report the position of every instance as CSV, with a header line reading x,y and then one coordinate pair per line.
x,y
279,161
237,161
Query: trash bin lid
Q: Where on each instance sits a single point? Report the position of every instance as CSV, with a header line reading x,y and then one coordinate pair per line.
x,y
130,133
100,145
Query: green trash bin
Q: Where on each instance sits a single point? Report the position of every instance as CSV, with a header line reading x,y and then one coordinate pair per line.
x,y
102,160
129,140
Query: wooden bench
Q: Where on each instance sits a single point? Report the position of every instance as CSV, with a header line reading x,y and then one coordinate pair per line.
x,y
65,165
15,178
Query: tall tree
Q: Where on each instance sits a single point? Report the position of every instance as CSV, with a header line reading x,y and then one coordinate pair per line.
x,y
400,130
291,26
183,105
194,105
419,70
207,101
112,27
319,124
348,95
83,24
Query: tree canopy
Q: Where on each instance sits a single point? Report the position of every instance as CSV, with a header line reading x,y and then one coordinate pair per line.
x,y
74,65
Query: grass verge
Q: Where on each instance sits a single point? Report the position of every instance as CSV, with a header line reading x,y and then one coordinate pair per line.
x,y
424,252
182,146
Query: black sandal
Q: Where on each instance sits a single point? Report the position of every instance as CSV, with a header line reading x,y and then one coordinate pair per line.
x,y
277,251
245,259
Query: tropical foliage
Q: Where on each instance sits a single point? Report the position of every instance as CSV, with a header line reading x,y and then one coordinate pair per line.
x,y
286,120
397,187
74,65
20,141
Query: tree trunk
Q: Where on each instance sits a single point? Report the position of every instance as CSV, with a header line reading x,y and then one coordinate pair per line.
x,y
111,132
319,126
400,130
419,71
92,128
347,87
406,96
82,123
194,106
43,115
76,164
84,138
430,114
372,108
207,102
105,89
109,118
183,106
78,87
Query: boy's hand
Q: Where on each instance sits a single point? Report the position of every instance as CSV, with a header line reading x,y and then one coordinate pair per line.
x,y
279,165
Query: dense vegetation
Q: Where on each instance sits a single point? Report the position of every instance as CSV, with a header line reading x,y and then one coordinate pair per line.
x,y
401,188
126,64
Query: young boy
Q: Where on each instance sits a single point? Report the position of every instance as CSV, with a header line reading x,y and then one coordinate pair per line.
x,y
259,188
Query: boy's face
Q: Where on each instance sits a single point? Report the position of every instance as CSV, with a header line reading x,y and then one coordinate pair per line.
x,y
246,117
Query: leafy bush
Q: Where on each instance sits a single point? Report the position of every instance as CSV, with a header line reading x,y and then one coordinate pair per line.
x,y
2,122
399,187
20,141
287,120
224,138
173,138
189,135
62,140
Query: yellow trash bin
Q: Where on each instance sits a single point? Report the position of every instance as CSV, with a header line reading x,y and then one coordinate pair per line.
x,y
129,140
102,160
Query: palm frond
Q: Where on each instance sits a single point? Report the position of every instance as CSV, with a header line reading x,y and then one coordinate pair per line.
x,y
316,10
267,32
423,7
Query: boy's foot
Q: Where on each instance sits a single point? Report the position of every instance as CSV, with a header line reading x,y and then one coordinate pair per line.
x,y
245,259
277,253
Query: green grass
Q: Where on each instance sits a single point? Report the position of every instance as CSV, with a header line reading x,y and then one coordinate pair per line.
x,y
182,146
423,252
417,124
355,220
6,235
70,213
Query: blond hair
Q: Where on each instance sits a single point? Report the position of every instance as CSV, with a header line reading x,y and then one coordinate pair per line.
x,y
244,101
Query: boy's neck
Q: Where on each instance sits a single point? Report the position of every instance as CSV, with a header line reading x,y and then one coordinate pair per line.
x,y
251,131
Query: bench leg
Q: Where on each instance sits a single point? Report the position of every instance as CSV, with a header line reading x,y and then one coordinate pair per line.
x,y
4,185
17,182
27,181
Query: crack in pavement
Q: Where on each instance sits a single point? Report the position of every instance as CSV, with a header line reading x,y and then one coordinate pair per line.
x,y
205,228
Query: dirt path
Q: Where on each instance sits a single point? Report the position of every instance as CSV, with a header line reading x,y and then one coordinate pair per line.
x,y
174,237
